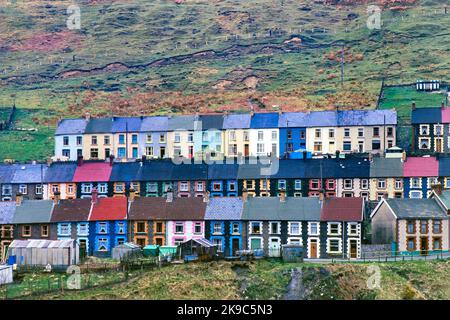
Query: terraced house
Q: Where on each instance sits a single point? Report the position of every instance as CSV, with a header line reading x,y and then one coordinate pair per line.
x,y
264,135
26,179
98,139
59,180
420,174
386,178
125,133
236,135
69,138
180,138
222,180
208,137
7,210
153,137
90,176
293,135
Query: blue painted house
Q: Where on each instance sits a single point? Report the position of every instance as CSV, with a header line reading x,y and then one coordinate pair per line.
x,y
153,137
293,135
108,225
125,177
222,180
223,224
208,137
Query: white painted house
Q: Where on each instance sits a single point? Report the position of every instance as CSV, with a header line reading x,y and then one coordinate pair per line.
x,y
69,139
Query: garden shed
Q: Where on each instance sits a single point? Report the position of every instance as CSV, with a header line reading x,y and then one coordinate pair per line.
x,y
57,253
125,250
198,249
6,274
151,250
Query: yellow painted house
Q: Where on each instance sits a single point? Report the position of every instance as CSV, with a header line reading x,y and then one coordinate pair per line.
x,y
125,134
98,139
236,135
386,178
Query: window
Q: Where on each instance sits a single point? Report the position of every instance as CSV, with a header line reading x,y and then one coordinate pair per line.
x,y
437,244
149,138
415,194
437,227
282,184
330,133
302,134
64,229
45,231
23,189
38,189
121,139
102,188
217,186
102,244
260,148
120,228
313,228
232,135
411,243
317,146
390,131
347,132
381,195
330,184
334,228
107,140
438,129
179,227
177,138
199,187
66,153
364,184
26,231
246,136
381,184
376,145
217,228
376,131
162,138
348,183
317,133
260,135
235,228
424,143
334,245
134,152
86,188
423,226
94,153
152,187
390,143
149,151
102,227
83,229
315,184
159,227
360,132
121,152
256,227
79,140
289,147
298,184
177,151
184,186
398,184
352,229
134,139
294,228
65,140
274,228
274,135
94,140
119,187
416,182
198,227
347,146
190,137
218,242
140,227
289,134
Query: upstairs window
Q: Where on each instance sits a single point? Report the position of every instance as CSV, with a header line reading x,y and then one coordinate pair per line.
x,y
179,227
437,227
424,130
217,228
134,139
256,228
121,139
390,131
65,140
376,131
411,227
102,227
330,134
347,132
260,135
197,227
334,228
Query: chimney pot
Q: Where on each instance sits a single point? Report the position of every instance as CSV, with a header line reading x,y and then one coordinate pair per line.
x,y
244,195
111,160
132,195
80,161
206,197
56,197
19,198
414,105
321,196
94,196
169,195
282,196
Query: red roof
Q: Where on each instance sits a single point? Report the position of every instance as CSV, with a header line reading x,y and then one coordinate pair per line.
x,y
342,209
421,167
92,172
114,208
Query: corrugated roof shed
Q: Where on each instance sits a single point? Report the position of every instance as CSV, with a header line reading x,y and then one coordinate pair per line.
x,y
293,120
29,173
33,211
264,121
237,121
227,208
107,209
60,172
126,124
272,209
125,172
342,209
148,208
421,167
366,117
159,123
99,125
426,115
71,126
75,210
7,211
185,122
417,208
386,168
93,172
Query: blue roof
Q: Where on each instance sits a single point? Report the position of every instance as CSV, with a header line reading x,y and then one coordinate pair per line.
x,y
126,124
60,172
426,115
98,125
156,170
366,117
71,126
356,167
322,119
7,210
290,169
6,173
210,122
29,173
444,166
126,171
154,124
223,171
224,209
237,121
185,122
293,120
189,172
264,120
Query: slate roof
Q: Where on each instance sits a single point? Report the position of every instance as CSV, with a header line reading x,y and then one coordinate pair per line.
x,y
99,125
192,208
107,209
366,117
227,208
71,126
154,124
71,210
421,167
293,120
6,173
322,119
444,166
7,211
386,168
126,124
426,115
60,172
223,171
317,168
93,172
33,211
157,170
342,209
255,171
445,198
272,209
189,172
148,208
351,168
264,120
210,122
185,122
416,208
290,169
445,114
237,121
29,173
125,172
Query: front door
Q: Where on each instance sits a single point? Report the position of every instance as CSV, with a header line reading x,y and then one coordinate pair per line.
x,y
246,150
274,247
313,249
234,246
83,248
424,245
438,146
353,249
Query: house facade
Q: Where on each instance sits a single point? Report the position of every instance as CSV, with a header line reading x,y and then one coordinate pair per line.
x,y
420,174
125,132
292,127
7,211
59,180
26,179
222,180
386,178
90,175
209,137
153,137
69,139
180,137
236,135
264,135
430,134
98,141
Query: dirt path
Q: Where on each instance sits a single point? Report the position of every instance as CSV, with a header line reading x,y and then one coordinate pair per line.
x,y
296,289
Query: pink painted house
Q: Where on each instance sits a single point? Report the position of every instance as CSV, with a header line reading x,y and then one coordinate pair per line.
x,y
420,173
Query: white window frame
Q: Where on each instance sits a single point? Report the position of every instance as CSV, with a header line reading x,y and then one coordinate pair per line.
x,y
339,227
349,229
278,223
412,184
260,227
290,224
310,224
339,240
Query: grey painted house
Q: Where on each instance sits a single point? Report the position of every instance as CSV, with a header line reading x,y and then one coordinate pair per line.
x,y
26,179
32,220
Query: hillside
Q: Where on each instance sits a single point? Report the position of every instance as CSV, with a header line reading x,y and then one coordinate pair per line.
x,y
131,57
270,280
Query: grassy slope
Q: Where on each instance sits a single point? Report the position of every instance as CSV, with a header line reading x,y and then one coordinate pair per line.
x,y
134,32
269,279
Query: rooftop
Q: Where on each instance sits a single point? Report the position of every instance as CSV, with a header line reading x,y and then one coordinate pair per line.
x,y
71,126
107,209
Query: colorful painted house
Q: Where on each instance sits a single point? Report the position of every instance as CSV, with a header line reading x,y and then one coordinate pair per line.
x,y
236,135
189,180
26,179
420,174
156,178
93,174
444,171
352,176
125,177
292,127
429,135
290,179
59,179
7,211
6,175
386,178
153,137
108,226
208,137
71,218
264,135
223,224
180,136
222,179
320,176
98,141
255,178
125,132
69,139
412,226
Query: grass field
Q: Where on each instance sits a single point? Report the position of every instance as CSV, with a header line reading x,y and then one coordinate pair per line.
x,y
268,279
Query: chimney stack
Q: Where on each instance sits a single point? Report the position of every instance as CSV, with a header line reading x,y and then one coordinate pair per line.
x,y
244,195
111,160
404,156
56,197
80,161
206,197
19,198
443,105
94,196
169,195
144,157
321,195
414,105
132,195
282,195
87,116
